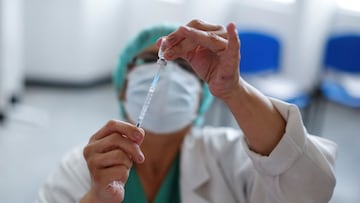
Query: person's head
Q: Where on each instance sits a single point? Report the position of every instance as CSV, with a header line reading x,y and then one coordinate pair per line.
x,y
179,89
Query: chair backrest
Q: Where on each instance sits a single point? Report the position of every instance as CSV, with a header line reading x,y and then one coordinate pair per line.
x,y
260,52
342,53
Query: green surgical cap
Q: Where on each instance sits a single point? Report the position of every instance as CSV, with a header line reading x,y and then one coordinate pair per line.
x,y
142,40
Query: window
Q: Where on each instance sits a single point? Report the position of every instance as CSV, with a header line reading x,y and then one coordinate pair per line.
x,y
353,5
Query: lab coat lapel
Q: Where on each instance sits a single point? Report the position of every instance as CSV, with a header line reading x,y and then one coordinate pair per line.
x,y
194,173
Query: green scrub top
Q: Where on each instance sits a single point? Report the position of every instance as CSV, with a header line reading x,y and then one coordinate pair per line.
x,y
169,190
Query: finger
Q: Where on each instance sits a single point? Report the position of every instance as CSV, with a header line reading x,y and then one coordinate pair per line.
x,y
173,39
202,25
158,41
109,159
209,40
116,141
177,36
234,42
180,50
113,126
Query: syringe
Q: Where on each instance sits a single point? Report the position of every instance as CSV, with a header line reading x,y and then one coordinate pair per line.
x,y
116,185
162,63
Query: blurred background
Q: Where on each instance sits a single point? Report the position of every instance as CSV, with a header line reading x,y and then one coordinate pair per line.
x,y
57,56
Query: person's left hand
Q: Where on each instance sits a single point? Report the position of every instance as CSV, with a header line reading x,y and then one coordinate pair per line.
x,y
212,51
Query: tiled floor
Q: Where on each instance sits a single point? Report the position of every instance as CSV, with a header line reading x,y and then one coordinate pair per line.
x,y
51,121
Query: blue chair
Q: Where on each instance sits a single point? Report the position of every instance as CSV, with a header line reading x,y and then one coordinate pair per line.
x,y
341,80
260,53
260,66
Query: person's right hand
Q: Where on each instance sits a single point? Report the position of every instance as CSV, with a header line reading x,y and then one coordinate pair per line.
x,y
110,154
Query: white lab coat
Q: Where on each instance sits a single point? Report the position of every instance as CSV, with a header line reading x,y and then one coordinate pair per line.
x,y
217,166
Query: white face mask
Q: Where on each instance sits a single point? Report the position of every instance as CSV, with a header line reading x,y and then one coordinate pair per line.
x,y
175,101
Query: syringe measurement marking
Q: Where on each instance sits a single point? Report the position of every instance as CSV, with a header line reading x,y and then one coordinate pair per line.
x,y
145,106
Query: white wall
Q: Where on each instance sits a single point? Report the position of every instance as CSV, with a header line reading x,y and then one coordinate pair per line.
x,y
213,11
172,11
314,22
269,16
79,40
345,21
52,39
11,47
319,19
301,26
140,14
103,35
3,96
72,40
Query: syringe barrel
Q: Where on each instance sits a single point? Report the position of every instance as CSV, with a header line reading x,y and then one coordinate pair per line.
x,y
146,105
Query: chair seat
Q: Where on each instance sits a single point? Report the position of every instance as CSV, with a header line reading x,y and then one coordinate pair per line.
x,y
342,88
281,87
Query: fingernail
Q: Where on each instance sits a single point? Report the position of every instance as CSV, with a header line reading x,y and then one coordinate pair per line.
x,y
140,158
